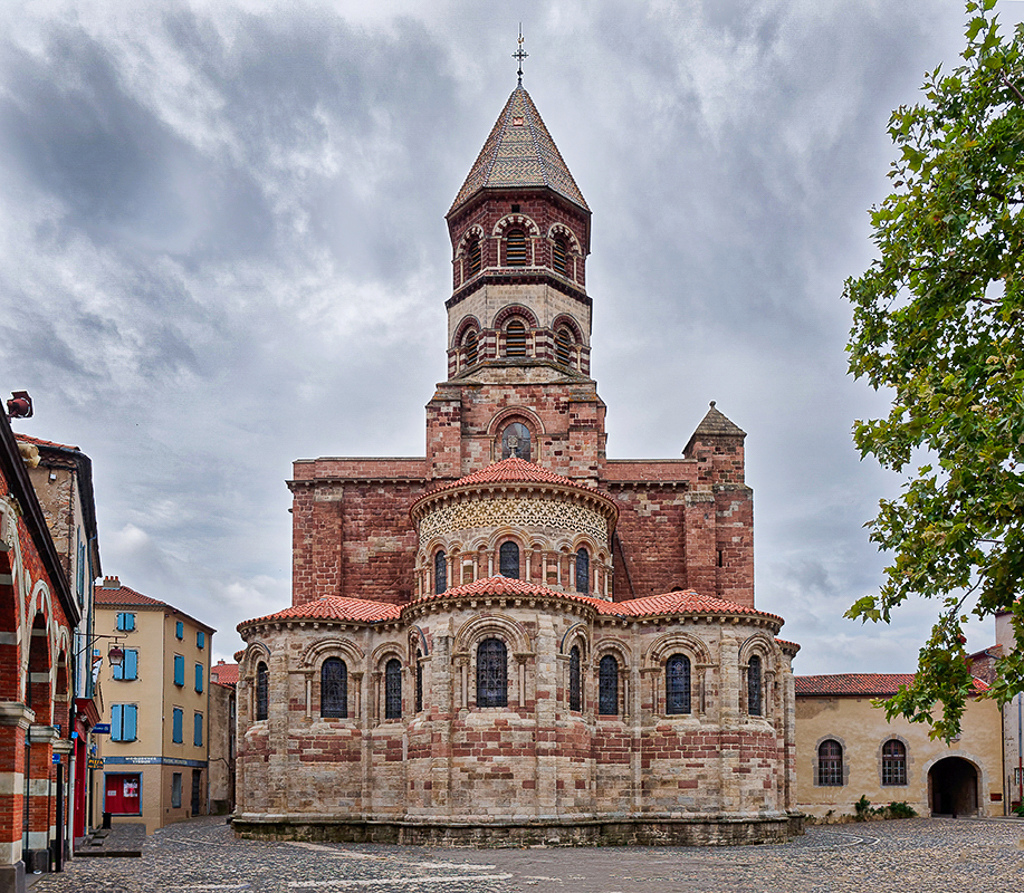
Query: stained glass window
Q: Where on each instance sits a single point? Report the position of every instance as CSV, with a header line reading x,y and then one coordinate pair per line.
x,y
440,572
677,684
492,674
508,560
334,689
830,763
583,571
419,682
575,698
754,686
393,689
608,686
515,441
262,693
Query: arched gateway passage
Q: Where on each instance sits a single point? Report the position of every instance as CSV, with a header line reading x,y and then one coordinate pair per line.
x,y
953,787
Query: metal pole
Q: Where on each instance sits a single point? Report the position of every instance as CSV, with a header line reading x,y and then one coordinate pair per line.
x,y
1020,755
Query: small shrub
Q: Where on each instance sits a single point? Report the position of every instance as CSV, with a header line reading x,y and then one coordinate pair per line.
x,y
862,809
1019,810
900,810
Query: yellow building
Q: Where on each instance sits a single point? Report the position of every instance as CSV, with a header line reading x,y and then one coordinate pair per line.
x,y
846,749
156,758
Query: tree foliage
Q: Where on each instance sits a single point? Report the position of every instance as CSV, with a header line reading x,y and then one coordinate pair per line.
x,y
939,323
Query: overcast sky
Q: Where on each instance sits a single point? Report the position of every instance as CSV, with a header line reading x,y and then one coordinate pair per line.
x,y
223,248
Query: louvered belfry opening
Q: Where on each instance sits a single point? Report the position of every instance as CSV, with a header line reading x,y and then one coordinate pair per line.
x,y
515,248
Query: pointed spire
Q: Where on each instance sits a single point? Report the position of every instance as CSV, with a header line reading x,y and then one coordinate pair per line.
x,y
714,424
519,153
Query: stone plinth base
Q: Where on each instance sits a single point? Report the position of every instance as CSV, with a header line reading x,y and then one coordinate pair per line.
x,y
676,831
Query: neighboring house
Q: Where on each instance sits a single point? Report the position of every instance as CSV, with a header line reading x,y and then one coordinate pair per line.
x,y
63,483
846,749
38,615
514,635
155,764
1013,721
224,678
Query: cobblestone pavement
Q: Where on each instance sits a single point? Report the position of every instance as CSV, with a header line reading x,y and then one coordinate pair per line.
x,y
933,855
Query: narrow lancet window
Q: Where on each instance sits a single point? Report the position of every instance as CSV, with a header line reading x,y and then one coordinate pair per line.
x,y
608,686
575,694
393,689
677,684
334,689
492,674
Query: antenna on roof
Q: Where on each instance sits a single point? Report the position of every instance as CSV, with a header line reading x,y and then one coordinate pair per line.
x,y
520,54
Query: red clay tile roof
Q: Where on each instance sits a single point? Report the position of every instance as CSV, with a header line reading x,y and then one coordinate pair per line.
x,y
512,470
224,673
504,586
38,441
123,595
333,607
871,685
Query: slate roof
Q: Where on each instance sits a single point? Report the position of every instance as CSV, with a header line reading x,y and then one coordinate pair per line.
x,y
670,603
870,685
519,153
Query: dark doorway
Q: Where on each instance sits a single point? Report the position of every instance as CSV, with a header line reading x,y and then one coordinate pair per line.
x,y
197,782
953,787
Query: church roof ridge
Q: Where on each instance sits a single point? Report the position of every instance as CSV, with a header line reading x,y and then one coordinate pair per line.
x,y
332,607
513,470
519,152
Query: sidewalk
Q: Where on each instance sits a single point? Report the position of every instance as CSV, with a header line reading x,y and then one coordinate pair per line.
x,y
120,840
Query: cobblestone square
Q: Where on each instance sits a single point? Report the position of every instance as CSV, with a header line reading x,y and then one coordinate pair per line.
x,y
933,855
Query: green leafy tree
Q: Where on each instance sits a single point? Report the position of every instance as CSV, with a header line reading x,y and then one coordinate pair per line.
x,y
939,324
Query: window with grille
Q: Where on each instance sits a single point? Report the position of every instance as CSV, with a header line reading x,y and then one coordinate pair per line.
x,y
515,248
608,686
894,762
470,344
262,691
492,674
830,763
575,695
393,689
515,339
559,256
754,686
440,572
583,570
563,347
334,689
677,684
474,257
515,441
508,560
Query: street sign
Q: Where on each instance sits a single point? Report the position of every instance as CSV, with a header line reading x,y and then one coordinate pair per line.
x,y
101,728
56,757
95,762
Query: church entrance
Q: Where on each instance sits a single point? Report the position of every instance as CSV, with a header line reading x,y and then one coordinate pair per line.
x,y
953,787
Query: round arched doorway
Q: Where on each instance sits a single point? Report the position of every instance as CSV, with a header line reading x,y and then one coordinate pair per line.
x,y
953,787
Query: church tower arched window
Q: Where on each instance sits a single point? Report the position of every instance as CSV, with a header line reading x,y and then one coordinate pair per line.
x,y
515,441
473,257
469,346
515,339
560,256
515,248
508,560
563,346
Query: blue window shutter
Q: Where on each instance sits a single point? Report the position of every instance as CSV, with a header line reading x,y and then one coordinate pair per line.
x,y
176,735
197,738
199,677
179,670
200,639
118,671
179,630
130,713
131,664
116,727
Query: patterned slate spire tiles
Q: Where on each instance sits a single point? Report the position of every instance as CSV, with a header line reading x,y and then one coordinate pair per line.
x,y
519,153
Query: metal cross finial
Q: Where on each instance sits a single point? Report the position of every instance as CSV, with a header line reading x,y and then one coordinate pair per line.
x,y
520,54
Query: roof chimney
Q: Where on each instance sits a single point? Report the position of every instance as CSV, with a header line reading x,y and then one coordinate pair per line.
x,y
111,583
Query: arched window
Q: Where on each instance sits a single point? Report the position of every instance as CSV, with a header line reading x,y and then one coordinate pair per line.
x,y
419,682
469,345
894,762
608,686
515,441
334,689
563,346
515,339
559,256
393,689
473,256
575,695
262,691
440,572
754,686
508,560
583,570
515,248
830,763
677,684
492,674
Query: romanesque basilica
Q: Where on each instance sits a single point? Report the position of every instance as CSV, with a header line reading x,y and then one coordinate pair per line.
x,y
513,637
